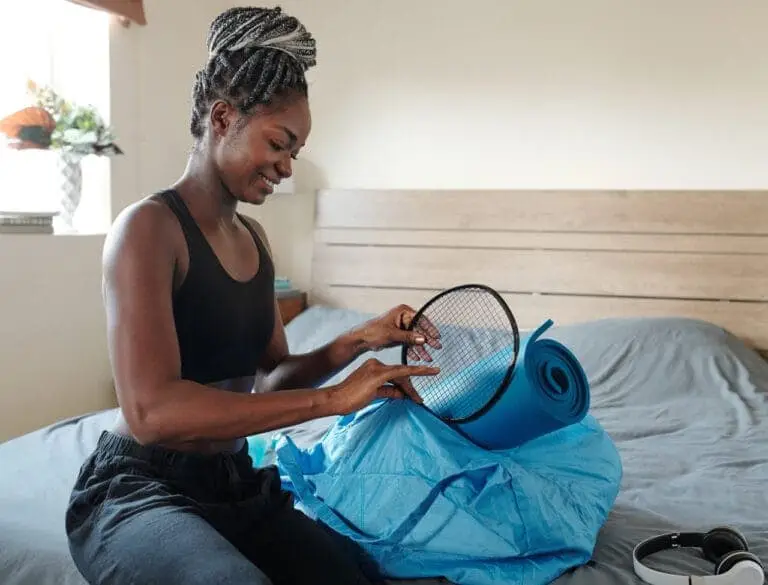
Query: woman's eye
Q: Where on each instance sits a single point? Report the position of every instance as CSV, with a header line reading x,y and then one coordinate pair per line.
x,y
280,148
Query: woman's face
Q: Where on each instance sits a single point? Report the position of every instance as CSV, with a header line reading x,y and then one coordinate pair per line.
x,y
253,153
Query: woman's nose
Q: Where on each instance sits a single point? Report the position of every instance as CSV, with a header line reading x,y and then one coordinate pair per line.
x,y
285,167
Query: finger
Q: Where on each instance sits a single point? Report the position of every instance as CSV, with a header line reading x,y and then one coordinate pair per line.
x,y
418,353
407,337
425,355
428,326
407,387
422,370
432,333
372,364
396,372
412,355
406,316
390,391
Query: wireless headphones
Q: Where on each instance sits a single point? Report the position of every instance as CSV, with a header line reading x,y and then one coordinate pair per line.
x,y
725,547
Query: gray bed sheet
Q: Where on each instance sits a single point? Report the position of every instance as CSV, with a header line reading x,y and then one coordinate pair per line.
x,y
686,403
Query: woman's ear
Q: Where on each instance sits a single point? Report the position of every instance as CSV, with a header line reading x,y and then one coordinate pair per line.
x,y
222,116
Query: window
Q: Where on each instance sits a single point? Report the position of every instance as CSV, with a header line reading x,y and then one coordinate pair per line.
x,y
65,46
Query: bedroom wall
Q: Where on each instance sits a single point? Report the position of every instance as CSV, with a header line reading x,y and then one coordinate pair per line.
x,y
411,94
523,94
54,358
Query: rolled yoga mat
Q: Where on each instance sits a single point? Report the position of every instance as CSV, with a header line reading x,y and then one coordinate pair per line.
x,y
548,391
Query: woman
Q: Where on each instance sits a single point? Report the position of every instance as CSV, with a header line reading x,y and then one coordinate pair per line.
x,y
170,495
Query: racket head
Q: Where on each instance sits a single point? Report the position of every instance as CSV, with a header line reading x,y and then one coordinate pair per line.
x,y
479,346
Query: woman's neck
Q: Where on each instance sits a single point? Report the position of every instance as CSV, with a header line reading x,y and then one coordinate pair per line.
x,y
201,188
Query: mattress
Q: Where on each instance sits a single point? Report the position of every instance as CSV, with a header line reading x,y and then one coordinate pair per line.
x,y
685,402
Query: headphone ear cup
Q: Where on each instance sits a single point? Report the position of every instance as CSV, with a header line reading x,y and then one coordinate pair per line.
x,y
721,541
729,561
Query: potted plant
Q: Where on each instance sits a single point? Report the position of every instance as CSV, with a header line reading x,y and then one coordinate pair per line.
x,y
73,131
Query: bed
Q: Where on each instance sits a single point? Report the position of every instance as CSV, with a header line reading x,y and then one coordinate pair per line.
x,y
663,297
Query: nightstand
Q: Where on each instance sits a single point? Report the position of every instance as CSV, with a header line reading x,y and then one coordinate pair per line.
x,y
291,306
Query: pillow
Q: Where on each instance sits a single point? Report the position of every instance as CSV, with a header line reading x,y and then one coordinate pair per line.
x,y
663,360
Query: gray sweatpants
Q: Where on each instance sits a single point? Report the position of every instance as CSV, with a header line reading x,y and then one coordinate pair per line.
x,y
146,515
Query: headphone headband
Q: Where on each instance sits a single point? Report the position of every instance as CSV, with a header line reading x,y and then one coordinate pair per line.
x,y
746,571
666,541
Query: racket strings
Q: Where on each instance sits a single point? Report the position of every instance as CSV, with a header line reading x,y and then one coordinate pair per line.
x,y
478,338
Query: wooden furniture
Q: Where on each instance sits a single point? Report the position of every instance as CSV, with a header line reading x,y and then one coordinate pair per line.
x,y
567,255
291,306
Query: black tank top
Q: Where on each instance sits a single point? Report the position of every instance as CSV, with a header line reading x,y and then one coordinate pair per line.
x,y
223,325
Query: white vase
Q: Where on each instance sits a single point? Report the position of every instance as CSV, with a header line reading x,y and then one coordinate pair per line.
x,y
70,176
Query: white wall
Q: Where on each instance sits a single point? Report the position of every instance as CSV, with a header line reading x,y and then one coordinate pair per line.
x,y
152,76
530,94
417,94
52,347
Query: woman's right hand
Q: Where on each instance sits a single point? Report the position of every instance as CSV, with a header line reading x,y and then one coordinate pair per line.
x,y
375,380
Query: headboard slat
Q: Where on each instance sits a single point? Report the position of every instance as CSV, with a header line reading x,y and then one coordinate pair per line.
x,y
571,256
650,212
708,244
574,272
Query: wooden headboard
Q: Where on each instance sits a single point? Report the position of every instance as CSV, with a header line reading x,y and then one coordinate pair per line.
x,y
571,256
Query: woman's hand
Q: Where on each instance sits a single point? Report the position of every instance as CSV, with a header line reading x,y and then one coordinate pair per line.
x,y
390,329
375,380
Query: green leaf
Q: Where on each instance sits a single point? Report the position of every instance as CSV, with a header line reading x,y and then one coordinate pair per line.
x,y
78,127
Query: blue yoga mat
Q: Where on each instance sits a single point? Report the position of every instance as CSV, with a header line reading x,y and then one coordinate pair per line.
x,y
548,391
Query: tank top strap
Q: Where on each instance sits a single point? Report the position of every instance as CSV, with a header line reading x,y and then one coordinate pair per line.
x,y
267,266
196,243
260,243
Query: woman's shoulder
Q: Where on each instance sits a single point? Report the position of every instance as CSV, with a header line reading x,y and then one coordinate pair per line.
x,y
147,218
144,229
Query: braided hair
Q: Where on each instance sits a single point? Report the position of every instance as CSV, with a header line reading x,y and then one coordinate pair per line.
x,y
255,56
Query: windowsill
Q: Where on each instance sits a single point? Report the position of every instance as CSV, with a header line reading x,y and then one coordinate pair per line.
x,y
31,236
55,235
96,229
92,218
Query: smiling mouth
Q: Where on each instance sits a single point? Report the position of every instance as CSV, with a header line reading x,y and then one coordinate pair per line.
x,y
270,183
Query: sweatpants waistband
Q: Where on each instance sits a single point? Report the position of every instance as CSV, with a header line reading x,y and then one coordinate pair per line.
x,y
112,445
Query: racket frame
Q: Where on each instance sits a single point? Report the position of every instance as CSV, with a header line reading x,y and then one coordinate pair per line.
x,y
504,384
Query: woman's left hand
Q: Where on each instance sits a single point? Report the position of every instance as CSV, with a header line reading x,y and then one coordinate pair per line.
x,y
391,329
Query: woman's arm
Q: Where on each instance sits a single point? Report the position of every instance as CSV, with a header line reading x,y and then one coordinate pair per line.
x,y
158,405
285,371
